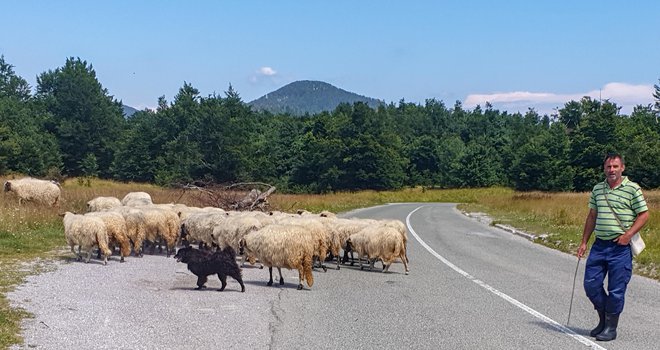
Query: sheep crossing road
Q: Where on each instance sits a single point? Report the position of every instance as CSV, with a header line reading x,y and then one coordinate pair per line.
x,y
470,286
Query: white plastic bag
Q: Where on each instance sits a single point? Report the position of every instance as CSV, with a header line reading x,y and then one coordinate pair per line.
x,y
637,244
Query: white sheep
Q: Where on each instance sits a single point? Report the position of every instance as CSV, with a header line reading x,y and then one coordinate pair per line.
x,y
198,227
161,224
320,233
117,231
30,189
285,246
136,226
103,203
379,242
86,232
232,230
136,199
343,228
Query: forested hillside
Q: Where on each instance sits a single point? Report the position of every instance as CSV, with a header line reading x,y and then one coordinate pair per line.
x,y
71,126
308,97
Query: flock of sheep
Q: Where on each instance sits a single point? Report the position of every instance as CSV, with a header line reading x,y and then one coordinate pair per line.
x,y
298,241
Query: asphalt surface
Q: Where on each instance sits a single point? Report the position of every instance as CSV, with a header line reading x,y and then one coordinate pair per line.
x,y
470,286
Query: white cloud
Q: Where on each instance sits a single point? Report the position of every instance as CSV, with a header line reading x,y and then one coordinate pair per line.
x,y
624,95
264,74
267,71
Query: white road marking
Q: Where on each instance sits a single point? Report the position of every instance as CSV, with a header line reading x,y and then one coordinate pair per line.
x,y
511,300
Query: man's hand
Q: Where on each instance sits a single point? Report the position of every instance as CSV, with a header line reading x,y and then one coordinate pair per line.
x,y
581,250
624,239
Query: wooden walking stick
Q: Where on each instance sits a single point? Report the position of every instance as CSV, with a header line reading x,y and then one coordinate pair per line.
x,y
572,292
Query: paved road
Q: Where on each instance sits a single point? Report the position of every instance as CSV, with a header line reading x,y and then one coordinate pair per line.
x,y
470,286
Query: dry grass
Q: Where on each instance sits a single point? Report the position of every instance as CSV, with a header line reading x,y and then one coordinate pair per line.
x,y
561,216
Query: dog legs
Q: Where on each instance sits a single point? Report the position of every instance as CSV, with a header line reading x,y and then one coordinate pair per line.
x,y
201,280
223,281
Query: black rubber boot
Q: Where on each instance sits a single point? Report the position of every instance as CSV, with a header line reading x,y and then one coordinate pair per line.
x,y
601,324
609,332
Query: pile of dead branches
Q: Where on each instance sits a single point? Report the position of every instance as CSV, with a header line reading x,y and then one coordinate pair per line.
x,y
243,196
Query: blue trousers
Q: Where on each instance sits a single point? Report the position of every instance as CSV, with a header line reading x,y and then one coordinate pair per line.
x,y
615,261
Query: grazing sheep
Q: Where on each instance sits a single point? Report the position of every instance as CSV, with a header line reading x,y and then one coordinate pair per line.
x,y
117,231
86,232
285,246
103,203
378,242
136,199
30,189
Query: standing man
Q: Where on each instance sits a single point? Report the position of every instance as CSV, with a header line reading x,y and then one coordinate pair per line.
x,y
614,203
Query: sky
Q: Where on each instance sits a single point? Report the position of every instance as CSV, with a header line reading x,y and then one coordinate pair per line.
x,y
514,54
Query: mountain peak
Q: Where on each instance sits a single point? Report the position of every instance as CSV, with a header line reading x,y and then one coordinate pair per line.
x,y
308,96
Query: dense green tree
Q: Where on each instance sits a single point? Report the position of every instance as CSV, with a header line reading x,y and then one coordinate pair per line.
x,y
85,119
541,164
480,165
25,145
593,137
139,148
11,85
641,146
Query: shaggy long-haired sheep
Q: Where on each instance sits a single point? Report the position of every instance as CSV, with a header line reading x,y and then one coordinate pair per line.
x,y
379,242
162,224
136,226
102,203
117,232
285,246
136,199
30,189
86,232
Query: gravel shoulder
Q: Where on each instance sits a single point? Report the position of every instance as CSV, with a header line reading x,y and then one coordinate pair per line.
x,y
144,303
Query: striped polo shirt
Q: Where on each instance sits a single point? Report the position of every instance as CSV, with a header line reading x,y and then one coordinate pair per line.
x,y
626,200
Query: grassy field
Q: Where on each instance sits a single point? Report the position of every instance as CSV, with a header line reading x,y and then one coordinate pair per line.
x,y
31,235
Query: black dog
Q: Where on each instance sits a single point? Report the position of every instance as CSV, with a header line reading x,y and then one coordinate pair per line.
x,y
201,263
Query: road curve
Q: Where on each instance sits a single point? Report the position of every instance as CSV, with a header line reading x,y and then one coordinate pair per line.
x,y
470,286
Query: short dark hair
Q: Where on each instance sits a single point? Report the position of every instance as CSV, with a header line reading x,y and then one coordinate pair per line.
x,y
614,155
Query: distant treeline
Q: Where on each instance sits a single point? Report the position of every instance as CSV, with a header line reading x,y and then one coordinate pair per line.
x,y
71,126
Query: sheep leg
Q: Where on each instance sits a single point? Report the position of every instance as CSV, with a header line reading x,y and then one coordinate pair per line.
x,y
281,278
300,278
223,281
89,256
371,263
405,262
270,272
201,280
320,264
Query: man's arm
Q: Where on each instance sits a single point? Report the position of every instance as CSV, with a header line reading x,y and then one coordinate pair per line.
x,y
589,225
640,221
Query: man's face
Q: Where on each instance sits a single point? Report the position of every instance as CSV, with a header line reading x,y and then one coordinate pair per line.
x,y
613,170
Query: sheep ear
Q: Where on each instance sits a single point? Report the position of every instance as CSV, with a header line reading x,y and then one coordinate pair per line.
x,y
61,214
